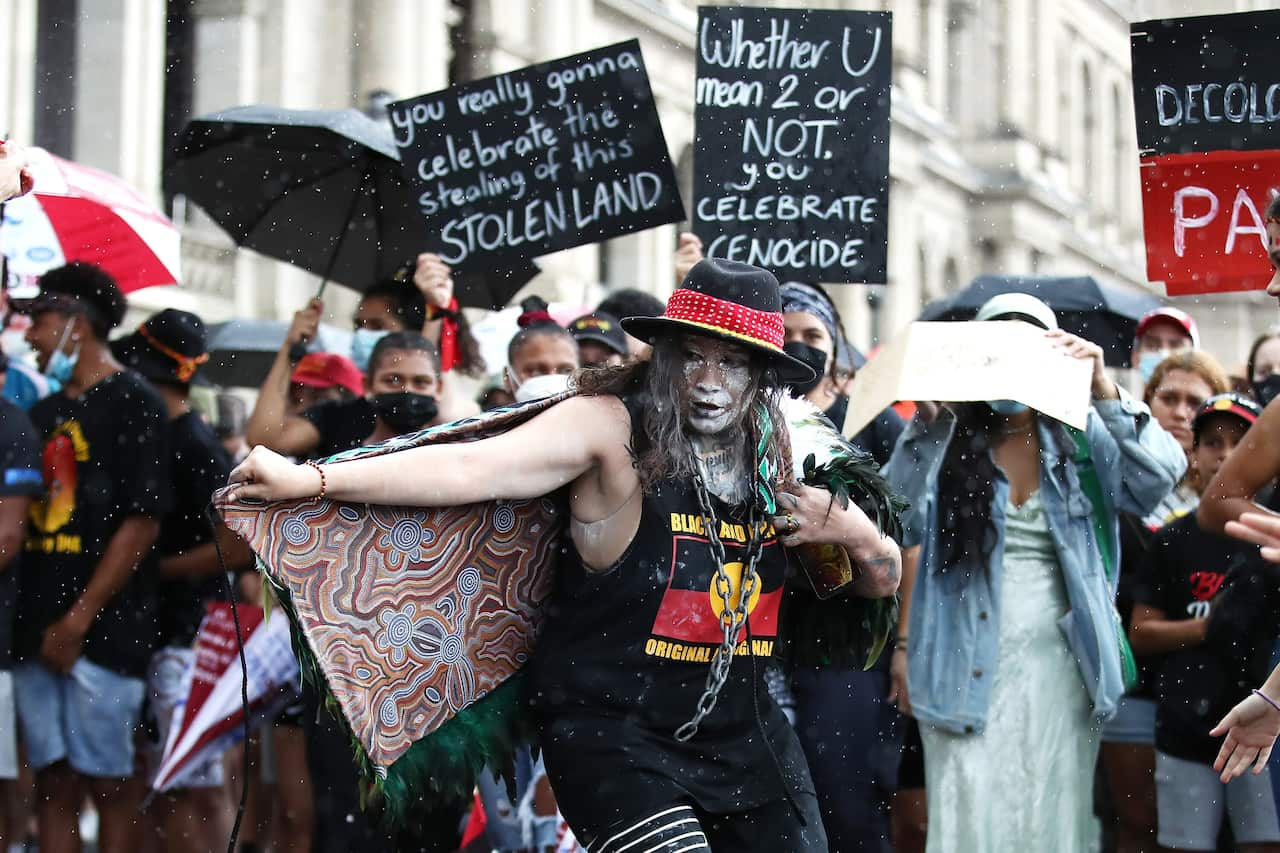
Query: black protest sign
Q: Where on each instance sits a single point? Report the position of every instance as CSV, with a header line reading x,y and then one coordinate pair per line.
x,y
791,155
1207,83
545,158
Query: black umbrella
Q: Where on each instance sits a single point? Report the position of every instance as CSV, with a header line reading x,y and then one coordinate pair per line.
x,y
1101,313
320,189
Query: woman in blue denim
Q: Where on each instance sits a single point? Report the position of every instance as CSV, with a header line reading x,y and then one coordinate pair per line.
x,y
1013,661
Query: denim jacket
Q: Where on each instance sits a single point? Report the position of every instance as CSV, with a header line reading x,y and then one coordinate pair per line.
x,y
955,620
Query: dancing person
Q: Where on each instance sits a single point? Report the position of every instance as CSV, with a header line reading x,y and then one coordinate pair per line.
x,y
1012,654
653,453
1188,575
86,618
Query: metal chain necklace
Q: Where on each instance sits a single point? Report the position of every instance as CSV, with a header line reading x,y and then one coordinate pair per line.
x,y
732,617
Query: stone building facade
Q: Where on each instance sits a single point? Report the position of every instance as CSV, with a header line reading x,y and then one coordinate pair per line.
x,y
1012,145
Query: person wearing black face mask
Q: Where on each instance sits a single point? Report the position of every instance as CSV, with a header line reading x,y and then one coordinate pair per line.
x,y
814,336
1263,367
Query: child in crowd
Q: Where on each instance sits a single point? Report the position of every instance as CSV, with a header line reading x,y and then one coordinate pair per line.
x,y
1196,603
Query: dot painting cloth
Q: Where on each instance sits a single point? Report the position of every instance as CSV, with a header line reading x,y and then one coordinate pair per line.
x,y
412,614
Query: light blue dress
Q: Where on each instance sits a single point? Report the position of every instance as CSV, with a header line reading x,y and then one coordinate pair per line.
x,y
1025,782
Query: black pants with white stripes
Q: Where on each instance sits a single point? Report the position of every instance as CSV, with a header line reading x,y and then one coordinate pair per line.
x,y
684,828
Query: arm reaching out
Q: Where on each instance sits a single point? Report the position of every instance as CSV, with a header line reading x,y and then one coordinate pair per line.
x,y
553,449
1251,729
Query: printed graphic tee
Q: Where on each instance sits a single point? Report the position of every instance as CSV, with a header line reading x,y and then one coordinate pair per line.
x,y
105,458
1181,575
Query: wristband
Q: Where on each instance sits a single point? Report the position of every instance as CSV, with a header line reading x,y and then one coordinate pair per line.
x,y
1265,698
324,485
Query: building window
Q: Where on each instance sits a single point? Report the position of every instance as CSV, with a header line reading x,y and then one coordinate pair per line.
x,y
1088,119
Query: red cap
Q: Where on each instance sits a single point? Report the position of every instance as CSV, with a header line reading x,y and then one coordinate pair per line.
x,y
1170,315
328,370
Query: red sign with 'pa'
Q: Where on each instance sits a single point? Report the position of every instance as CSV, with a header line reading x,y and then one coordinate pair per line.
x,y
1203,219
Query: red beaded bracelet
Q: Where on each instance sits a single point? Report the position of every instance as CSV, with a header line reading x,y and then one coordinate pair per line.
x,y
324,485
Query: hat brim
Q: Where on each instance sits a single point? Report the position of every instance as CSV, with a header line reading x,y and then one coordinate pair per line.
x,y
650,328
600,338
137,355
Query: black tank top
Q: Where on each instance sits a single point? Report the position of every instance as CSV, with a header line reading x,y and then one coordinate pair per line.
x,y
629,648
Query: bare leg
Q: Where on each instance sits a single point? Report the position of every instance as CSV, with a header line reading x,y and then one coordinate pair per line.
x,y
1130,769
909,820
119,803
195,819
295,816
58,795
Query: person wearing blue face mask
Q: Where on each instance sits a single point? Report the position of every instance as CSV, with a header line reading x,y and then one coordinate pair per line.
x,y
86,615
1160,333
1008,649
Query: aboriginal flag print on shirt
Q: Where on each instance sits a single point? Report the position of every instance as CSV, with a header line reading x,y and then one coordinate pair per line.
x,y
691,613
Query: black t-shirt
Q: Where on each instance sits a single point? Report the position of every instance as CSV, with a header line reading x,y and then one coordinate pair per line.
x,y
200,466
342,424
19,478
106,458
1184,571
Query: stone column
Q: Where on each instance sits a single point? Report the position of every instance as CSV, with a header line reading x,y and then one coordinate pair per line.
x,y
17,69
120,89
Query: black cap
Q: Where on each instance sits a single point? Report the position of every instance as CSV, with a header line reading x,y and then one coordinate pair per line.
x,y
602,328
1230,403
168,347
79,288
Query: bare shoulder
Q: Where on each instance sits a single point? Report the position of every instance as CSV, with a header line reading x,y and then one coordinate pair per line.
x,y
600,421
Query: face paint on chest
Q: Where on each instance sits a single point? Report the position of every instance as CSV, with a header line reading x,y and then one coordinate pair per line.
x,y
717,376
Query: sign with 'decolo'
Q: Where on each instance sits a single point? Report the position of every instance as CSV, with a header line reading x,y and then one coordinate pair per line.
x,y
548,157
1206,95
791,155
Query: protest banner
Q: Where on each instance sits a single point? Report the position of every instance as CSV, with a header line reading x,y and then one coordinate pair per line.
x,y
967,362
791,150
1208,125
548,157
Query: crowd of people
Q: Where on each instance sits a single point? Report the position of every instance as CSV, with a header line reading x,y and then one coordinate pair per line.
x,y
1074,618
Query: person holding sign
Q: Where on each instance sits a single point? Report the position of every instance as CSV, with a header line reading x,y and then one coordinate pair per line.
x,y
1012,648
648,678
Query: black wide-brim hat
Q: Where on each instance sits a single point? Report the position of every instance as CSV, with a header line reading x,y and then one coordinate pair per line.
x,y
169,347
732,301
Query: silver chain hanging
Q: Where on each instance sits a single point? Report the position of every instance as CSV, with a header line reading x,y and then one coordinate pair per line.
x,y
732,618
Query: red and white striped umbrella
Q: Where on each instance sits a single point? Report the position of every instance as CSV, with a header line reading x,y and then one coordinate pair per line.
x,y
77,213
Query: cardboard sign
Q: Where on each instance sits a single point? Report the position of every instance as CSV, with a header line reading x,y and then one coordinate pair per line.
x,y
545,158
965,362
791,150
1208,123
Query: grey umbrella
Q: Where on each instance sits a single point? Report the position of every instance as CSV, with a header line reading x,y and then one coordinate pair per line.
x,y
241,351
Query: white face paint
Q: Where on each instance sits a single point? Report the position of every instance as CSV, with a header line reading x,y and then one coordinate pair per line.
x,y
717,375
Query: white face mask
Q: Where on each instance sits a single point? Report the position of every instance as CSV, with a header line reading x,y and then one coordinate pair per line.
x,y
537,387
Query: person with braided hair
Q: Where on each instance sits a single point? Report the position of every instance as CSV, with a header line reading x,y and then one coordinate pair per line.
x,y
648,677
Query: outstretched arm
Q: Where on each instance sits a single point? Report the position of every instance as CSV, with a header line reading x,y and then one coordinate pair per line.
x,y
1253,464
810,515
537,457
1251,729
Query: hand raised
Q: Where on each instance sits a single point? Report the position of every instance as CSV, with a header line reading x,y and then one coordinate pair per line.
x,y
434,278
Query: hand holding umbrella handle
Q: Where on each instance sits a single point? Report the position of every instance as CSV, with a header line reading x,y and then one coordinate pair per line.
x,y
303,330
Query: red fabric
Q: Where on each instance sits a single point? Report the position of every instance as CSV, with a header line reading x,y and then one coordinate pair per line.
x,y
328,370
1202,219
90,231
449,338
761,327
475,824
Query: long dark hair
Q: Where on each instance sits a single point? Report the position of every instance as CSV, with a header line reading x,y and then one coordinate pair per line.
x,y
967,487
661,447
